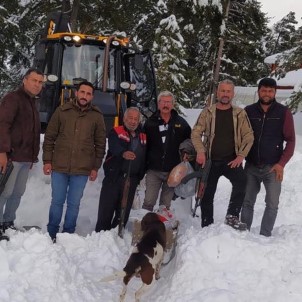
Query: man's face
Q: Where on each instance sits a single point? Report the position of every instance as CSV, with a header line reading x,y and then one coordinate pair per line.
x,y
266,94
33,83
132,120
84,95
225,93
165,104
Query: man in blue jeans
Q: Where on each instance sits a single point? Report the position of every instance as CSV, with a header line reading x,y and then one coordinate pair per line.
x,y
273,127
73,150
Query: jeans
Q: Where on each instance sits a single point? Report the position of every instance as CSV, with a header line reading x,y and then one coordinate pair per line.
x,y
237,178
13,191
256,176
70,188
156,180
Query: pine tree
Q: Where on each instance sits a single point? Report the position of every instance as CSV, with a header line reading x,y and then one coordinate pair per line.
x,y
169,56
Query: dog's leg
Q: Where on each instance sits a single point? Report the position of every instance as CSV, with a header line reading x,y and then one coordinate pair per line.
x,y
141,291
123,293
157,268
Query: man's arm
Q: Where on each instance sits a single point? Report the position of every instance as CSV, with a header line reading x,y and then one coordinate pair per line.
x,y
289,138
50,137
247,136
197,132
99,143
8,111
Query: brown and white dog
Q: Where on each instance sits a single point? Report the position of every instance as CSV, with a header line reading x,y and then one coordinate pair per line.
x,y
146,257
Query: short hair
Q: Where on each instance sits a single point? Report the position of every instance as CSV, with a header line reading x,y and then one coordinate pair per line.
x,y
267,82
135,109
227,81
86,83
32,69
166,93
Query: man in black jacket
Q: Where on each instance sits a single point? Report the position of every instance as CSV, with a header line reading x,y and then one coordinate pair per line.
x,y
273,147
127,144
165,131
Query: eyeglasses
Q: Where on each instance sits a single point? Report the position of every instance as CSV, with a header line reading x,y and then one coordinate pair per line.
x,y
166,102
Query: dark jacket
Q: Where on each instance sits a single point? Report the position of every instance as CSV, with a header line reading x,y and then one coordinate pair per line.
x,y
19,126
164,157
271,130
120,141
75,140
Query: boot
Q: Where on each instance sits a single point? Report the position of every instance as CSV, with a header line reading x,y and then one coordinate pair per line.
x,y
8,225
2,237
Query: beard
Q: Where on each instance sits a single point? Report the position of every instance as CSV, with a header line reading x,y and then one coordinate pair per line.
x,y
225,101
267,103
82,102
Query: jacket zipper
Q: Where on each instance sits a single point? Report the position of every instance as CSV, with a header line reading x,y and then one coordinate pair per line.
x,y
261,132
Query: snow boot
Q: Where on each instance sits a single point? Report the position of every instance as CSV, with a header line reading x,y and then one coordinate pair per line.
x,y
3,237
235,223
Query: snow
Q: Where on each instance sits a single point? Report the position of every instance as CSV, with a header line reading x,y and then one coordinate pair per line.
x,y
214,264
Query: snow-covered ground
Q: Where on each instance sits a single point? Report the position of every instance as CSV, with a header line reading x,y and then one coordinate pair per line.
x,y
214,264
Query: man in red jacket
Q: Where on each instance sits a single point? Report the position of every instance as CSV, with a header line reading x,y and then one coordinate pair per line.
x,y
19,142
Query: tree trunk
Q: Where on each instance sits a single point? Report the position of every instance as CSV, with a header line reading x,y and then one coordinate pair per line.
x,y
74,15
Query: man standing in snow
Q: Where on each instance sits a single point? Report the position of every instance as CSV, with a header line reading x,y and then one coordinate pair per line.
x,y
126,146
165,131
73,150
19,142
223,133
273,125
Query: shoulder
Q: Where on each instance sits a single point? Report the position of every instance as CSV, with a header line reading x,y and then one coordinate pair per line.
x,y
96,110
13,96
238,111
66,106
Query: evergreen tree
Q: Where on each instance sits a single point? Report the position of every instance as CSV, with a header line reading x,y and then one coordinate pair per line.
x,y
169,56
283,35
244,52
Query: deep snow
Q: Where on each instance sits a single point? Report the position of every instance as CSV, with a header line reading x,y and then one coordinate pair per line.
x,y
214,264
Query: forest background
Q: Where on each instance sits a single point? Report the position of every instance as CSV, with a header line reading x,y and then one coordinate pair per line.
x,y
184,36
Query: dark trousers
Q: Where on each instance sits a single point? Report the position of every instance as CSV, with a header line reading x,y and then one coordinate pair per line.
x,y
237,177
110,202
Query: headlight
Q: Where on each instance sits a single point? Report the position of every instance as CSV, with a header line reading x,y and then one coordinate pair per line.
x,y
76,38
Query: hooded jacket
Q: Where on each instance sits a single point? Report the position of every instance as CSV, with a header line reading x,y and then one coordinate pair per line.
x,y
203,132
75,139
19,126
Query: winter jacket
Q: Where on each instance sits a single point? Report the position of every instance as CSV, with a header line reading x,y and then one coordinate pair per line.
x,y
119,141
19,126
203,132
75,140
164,157
271,130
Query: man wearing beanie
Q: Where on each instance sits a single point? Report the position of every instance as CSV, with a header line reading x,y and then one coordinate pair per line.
x,y
273,125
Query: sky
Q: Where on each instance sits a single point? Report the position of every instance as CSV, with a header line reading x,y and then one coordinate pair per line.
x,y
277,9
213,264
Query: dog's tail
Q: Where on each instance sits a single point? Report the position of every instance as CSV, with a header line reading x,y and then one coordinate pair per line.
x,y
116,275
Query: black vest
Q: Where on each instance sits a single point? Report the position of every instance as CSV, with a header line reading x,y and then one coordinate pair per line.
x,y
268,133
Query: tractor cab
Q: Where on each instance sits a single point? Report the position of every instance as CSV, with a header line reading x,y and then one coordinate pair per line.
x,y
121,77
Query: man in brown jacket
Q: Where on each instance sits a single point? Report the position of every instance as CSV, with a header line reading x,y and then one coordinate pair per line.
x,y
73,150
19,142
223,133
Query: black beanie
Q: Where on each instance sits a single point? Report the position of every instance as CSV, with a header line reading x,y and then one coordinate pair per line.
x,y
267,82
